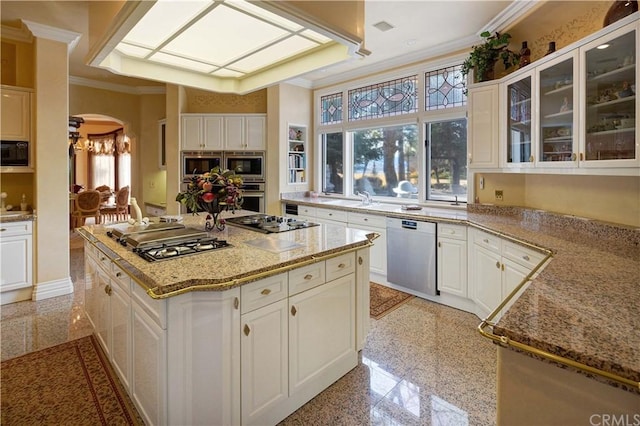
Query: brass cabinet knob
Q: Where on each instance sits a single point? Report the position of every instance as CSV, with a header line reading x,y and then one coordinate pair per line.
x,y
265,292
294,311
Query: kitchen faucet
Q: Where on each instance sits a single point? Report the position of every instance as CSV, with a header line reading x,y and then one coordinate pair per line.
x,y
366,197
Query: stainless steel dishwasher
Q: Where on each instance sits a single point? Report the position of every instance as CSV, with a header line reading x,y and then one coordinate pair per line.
x,y
411,255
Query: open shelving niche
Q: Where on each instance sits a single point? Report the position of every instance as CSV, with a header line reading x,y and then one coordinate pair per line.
x,y
297,154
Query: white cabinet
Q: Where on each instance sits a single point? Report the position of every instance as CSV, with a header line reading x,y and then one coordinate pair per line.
x,y
297,154
201,132
377,224
496,268
331,216
16,114
16,259
519,120
452,259
245,133
483,111
363,301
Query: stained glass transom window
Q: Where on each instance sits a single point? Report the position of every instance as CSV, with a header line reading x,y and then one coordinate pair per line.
x,y
331,109
444,88
388,99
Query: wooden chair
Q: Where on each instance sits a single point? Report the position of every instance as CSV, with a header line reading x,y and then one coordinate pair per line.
x,y
105,193
87,204
119,212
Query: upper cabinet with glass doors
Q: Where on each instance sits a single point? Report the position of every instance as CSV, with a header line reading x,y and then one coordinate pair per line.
x,y
558,100
519,136
610,101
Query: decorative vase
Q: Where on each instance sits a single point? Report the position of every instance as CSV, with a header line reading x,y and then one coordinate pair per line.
x,y
618,10
487,75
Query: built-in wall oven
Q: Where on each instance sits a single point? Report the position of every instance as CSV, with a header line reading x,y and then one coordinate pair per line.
x,y
199,162
253,197
248,164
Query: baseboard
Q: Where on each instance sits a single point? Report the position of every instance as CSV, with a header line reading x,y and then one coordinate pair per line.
x,y
48,289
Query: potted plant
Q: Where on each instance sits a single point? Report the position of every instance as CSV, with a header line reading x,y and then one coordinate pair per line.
x,y
483,57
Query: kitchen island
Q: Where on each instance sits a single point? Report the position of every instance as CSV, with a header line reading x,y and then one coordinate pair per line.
x,y
238,335
578,310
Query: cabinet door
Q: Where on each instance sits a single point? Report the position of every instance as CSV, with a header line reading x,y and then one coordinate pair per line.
x,y
610,111
265,362
321,334
512,276
558,97
15,115
121,333
192,133
255,133
488,280
363,301
234,133
483,126
148,368
102,320
213,133
91,289
519,113
15,260
452,266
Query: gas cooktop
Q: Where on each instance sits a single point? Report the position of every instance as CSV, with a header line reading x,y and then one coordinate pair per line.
x,y
269,224
169,250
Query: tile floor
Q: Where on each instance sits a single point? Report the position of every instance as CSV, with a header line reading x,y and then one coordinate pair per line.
x,y
424,363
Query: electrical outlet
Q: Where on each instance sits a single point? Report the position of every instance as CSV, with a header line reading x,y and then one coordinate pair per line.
x,y
499,194
482,182
152,184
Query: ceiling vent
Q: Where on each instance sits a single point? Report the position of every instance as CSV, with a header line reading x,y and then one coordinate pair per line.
x,y
383,26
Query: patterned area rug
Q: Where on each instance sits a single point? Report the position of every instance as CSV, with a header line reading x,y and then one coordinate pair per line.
x,y
385,299
68,384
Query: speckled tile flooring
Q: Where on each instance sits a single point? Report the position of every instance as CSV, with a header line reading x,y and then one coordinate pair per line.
x,y
424,363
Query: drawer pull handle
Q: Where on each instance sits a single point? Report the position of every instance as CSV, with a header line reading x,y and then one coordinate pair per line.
x,y
486,241
3,229
498,265
118,274
308,277
360,260
102,259
266,291
366,219
236,303
107,289
525,257
342,265
247,330
439,244
294,311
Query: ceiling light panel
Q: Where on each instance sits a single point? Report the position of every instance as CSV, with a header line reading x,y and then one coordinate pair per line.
x,y
181,62
281,50
166,17
223,35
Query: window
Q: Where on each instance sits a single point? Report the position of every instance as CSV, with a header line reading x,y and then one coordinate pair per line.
x,y
385,161
375,143
109,160
332,163
446,155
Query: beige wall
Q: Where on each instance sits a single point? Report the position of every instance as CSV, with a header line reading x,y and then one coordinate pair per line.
x,y
202,101
152,177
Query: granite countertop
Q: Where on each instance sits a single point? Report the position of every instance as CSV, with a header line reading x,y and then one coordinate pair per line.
x,y
228,267
584,305
16,216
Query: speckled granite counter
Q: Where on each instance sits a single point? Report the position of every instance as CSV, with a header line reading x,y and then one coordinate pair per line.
x,y
226,268
16,217
585,304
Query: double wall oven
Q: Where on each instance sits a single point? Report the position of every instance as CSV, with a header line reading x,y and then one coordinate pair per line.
x,y
248,164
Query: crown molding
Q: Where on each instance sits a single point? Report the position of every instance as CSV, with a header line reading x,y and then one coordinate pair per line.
x,y
70,38
16,34
511,15
135,90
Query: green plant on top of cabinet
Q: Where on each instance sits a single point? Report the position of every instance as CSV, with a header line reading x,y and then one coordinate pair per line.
x,y
297,154
610,87
557,121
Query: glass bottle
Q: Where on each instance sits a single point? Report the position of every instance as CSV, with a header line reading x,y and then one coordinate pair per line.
x,y
552,48
525,55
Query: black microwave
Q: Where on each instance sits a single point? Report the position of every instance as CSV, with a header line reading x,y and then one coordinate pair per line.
x,y
199,162
15,154
248,164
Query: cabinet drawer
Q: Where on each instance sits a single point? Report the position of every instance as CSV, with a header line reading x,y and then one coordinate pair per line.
x,y
488,241
9,229
91,250
522,255
155,308
121,278
338,215
307,277
458,232
368,220
103,260
263,292
306,211
340,266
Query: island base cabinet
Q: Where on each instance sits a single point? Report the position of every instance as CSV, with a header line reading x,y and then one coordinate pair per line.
x,y
149,366
322,344
204,358
532,389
